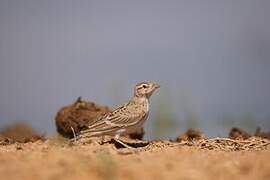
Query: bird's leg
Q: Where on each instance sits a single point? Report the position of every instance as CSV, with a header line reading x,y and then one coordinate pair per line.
x,y
116,138
102,140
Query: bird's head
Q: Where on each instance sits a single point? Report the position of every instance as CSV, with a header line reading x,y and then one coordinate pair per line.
x,y
145,89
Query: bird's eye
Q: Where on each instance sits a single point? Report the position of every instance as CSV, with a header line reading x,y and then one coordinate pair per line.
x,y
144,86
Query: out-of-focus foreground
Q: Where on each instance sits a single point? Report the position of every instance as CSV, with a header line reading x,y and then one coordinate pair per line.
x,y
55,159
24,154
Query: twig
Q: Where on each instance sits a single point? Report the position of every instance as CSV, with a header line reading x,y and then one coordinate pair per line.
x,y
74,134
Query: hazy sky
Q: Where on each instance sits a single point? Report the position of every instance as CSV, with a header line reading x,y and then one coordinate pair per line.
x,y
212,58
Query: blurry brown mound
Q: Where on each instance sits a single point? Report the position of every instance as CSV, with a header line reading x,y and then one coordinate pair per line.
x,y
191,135
77,116
261,134
237,133
19,132
80,114
137,135
5,141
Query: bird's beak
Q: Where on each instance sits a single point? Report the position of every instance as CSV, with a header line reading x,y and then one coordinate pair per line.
x,y
156,86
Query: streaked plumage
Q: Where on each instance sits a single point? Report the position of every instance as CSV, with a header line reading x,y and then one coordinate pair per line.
x,y
127,118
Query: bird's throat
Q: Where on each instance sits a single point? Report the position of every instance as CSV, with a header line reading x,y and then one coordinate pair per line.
x,y
142,101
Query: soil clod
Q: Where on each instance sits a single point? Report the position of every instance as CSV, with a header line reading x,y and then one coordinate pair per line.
x,y
237,133
262,134
19,132
191,135
77,116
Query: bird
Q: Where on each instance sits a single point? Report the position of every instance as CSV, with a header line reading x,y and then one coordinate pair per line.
x,y
125,119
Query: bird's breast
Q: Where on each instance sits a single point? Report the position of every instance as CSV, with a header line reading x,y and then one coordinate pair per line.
x,y
145,105
142,104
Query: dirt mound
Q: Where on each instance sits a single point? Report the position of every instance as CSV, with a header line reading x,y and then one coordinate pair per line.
x,y
262,134
191,135
238,133
19,132
77,116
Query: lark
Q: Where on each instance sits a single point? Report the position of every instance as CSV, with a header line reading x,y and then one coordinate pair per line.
x,y
125,119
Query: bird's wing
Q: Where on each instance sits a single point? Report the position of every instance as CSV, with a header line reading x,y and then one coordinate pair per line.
x,y
120,118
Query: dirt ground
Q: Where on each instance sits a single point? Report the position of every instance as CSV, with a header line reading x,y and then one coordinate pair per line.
x,y
218,158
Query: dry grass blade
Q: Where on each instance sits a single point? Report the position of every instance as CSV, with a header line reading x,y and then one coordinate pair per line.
x,y
227,144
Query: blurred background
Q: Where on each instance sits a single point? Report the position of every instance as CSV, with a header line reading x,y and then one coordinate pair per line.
x,y
212,59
